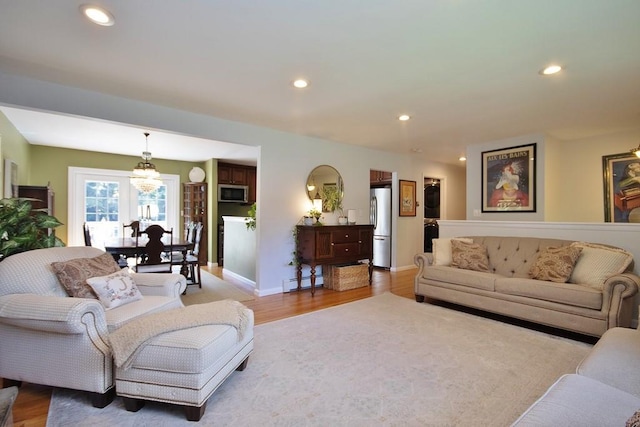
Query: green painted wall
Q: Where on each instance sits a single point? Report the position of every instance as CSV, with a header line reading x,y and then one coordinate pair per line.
x,y
16,148
49,165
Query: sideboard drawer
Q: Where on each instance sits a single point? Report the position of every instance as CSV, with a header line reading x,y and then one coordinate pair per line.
x,y
345,249
344,236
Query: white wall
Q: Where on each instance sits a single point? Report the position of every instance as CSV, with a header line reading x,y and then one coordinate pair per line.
x,y
284,164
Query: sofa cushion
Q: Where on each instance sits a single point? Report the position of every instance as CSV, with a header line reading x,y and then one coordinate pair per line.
x,y
442,250
149,304
469,256
555,264
514,256
615,359
458,276
575,400
562,293
115,289
597,263
73,274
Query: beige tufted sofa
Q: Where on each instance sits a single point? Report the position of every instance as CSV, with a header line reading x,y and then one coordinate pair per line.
x,y
508,289
52,339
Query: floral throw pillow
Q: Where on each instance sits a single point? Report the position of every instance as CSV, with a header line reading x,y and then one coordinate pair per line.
x,y
73,274
469,256
115,290
555,264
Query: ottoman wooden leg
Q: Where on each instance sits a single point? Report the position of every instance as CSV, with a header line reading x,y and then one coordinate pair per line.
x,y
132,405
194,413
243,365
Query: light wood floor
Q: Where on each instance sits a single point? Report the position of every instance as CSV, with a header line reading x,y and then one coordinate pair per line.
x,y
32,404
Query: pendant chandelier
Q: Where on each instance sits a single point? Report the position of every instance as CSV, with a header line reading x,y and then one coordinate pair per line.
x,y
146,178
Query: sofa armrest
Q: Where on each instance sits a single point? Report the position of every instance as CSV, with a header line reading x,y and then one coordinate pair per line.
x,y
161,284
615,291
53,314
422,260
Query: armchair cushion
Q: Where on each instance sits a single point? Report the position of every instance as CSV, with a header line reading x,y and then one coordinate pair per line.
x,y
73,274
115,290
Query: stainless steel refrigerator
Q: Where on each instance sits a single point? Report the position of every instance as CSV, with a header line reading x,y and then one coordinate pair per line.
x,y
380,217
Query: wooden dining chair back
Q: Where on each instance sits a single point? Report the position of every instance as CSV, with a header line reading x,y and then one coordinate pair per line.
x,y
87,234
158,248
134,226
193,256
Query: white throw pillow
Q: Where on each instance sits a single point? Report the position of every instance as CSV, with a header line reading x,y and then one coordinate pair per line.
x,y
442,249
115,290
597,263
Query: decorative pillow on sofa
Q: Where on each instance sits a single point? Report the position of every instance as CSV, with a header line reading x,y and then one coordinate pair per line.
x,y
469,256
634,421
442,250
555,264
597,263
116,289
73,274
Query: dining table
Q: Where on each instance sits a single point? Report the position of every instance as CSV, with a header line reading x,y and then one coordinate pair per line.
x,y
130,247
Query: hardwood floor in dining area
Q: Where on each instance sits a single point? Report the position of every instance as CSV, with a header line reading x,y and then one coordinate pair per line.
x,y
32,405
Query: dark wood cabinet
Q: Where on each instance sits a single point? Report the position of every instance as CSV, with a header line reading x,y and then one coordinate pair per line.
x,y
232,174
332,244
194,209
251,182
43,194
379,178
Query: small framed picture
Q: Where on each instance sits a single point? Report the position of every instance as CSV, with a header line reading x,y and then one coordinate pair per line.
x,y
407,198
10,179
621,187
509,179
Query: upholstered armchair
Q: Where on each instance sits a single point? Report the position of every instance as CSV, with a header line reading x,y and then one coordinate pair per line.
x,y
53,339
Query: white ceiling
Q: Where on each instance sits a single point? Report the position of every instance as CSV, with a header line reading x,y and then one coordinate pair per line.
x,y
465,70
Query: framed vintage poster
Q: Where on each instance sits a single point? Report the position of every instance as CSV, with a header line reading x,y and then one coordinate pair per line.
x,y
407,198
509,179
621,187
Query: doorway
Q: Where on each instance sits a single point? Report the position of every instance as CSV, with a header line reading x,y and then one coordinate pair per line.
x,y
432,202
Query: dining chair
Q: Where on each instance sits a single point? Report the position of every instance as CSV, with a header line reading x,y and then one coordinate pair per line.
x,y
157,254
193,259
134,226
87,234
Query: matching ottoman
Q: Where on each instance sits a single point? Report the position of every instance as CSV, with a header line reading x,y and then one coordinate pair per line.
x,y
184,367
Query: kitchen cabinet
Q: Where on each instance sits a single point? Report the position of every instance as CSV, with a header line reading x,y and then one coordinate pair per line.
x,y
194,209
332,244
380,177
232,174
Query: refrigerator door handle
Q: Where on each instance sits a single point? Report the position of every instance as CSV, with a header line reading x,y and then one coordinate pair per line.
x,y
374,212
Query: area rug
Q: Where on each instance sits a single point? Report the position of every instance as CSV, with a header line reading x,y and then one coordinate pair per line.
x,y
213,289
381,361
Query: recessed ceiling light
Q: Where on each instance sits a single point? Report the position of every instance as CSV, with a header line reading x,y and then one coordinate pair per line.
x,y
551,69
300,83
404,117
97,15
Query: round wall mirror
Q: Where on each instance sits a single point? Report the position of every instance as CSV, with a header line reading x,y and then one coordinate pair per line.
x,y
323,180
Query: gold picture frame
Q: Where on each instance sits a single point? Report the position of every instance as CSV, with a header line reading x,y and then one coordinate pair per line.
x,y
407,198
621,175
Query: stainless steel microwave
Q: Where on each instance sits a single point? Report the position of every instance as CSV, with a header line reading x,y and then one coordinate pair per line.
x,y
233,193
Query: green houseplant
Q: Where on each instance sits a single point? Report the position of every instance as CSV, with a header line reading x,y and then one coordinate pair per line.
x,y
23,228
251,217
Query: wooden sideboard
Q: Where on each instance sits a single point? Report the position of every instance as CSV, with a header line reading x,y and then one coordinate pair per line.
x,y
332,244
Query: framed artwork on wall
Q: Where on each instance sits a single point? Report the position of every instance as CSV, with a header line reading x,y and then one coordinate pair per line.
x,y
10,178
509,179
407,198
621,174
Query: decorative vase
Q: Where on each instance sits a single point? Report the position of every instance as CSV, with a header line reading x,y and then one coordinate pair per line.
x,y
342,220
308,220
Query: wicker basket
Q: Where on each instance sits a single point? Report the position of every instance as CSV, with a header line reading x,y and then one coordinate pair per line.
x,y
345,277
